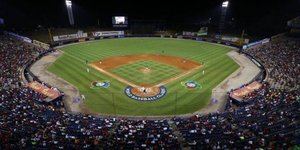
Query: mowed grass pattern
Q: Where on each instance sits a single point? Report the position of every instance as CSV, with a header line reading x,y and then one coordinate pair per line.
x,y
179,100
158,72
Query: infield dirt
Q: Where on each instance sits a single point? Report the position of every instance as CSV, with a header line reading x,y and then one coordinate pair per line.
x,y
187,66
113,62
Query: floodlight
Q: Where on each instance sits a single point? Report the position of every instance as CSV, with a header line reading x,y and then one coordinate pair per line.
x,y
225,4
70,12
68,3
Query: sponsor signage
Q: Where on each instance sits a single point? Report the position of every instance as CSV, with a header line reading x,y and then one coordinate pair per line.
x,y
188,33
108,33
23,38
41,44
261,42
191,84
231,39
241,92
162,92
50,93
69,37
199,39
202,31
100,84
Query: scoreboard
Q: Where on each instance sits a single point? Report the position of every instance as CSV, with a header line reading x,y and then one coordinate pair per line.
x,y
119,21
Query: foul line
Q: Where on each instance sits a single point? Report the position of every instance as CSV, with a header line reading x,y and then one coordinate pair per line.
x,y
105,72
132,84
179,76
114,76
72,56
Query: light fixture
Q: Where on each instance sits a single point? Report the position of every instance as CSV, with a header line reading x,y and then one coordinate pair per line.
x,y
225,4
68,3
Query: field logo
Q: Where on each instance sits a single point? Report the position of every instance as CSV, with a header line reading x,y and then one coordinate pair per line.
x,y
191,84
145,94
100,84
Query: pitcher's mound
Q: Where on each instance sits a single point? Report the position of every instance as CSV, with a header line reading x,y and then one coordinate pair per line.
x,y
145,70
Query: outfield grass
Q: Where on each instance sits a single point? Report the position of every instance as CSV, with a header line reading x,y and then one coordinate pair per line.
x,y
179,100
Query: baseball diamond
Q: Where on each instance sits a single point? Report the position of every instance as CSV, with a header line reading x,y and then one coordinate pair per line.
x,y
147,68
144,62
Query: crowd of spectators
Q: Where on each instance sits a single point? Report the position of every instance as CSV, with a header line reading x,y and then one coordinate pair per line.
x,y
156,134
25,123
271,120
281,58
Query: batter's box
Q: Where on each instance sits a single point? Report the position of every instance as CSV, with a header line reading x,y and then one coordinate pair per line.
x,y
146,70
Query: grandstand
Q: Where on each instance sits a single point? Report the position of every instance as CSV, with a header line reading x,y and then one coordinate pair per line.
x,y
244,93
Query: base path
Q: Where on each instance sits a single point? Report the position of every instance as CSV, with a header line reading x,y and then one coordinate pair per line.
x,y
113,62
179,76
113,75
187,66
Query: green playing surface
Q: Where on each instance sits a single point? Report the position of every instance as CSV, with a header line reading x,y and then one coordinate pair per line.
x,y
179,100
157,72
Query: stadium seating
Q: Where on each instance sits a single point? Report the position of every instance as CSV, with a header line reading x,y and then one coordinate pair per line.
x,y
270,121
281,59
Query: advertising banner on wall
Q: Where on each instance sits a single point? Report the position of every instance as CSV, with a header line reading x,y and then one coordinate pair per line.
x,y
41,44
69,36
188,33
50,93
108,33
229,38
236,40
23,38
203,31
241,92
257,43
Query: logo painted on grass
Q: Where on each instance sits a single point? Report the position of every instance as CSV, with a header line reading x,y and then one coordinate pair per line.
x,y
191,84
100,84
145,94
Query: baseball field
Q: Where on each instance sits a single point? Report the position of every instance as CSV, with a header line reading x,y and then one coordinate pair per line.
x,y
102,69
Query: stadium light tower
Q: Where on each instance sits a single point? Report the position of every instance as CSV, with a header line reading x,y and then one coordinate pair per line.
x,y
224,8
225,4
70,12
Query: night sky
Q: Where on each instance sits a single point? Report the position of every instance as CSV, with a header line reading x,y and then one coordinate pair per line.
x,y
249,14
